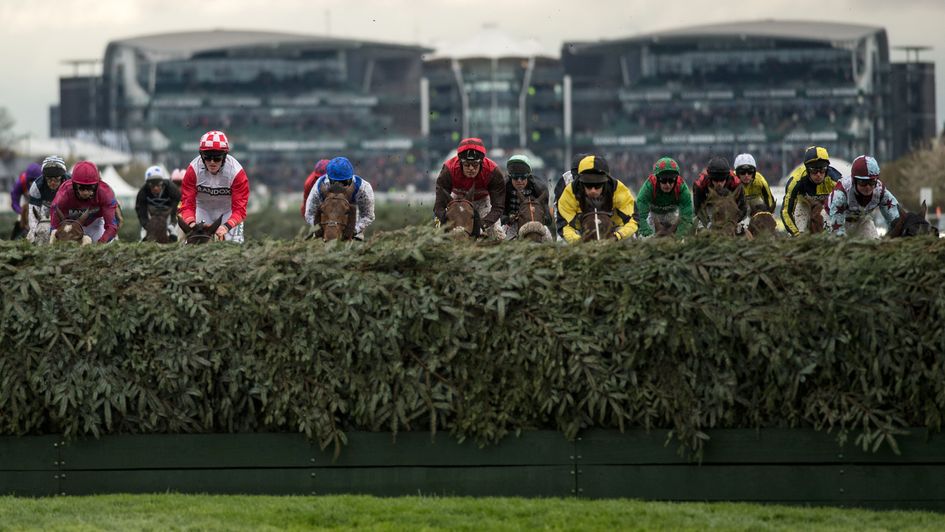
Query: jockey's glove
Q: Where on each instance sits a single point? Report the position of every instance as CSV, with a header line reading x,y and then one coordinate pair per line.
x,y
52,235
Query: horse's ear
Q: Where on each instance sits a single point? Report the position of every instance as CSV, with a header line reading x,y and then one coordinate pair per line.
x,y
543,197
85,215
60,214
216,223
471,193
712,193
183,226
923,211
37,216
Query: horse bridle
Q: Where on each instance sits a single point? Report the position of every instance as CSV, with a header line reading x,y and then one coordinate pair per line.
x,y
595,213
333,223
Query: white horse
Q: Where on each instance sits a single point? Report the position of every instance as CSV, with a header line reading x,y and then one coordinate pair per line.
x,y
39,233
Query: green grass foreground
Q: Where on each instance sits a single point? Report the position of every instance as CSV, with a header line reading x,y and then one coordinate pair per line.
x,y
189,512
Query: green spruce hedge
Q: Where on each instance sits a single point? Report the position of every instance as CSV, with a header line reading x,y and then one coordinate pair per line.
x,y
414,331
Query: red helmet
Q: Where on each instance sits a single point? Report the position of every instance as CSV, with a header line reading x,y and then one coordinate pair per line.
x,y
214,141
85,173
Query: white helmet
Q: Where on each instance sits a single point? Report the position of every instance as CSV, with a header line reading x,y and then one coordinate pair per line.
x,y
745,159
154,172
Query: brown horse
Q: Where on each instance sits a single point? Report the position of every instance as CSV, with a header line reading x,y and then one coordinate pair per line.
x,y
912,224
72,229
462,218
723,213
663,227
336,215
817,223
156,229
596,223
200,233
762,223
530,217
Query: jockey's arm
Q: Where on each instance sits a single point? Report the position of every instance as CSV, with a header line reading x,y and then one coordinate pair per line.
x,y
568,210
643,208
188,197
496,198
239,199
623,209
141,206
444,186
837,212
365,201
889,207
311,206
791,197
685,211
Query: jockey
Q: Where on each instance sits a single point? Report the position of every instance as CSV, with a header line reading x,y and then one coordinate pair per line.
x,y
566,179
757,192
215,185
340,170
719,176
158,192
471,170
852,202
22,185
86,192
665,196
814,180
44,188
593,182
522,180
310,182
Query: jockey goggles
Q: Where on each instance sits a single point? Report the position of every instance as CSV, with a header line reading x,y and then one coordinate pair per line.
x,y
667,178
214,157
518,177
718,177
93,188
745,170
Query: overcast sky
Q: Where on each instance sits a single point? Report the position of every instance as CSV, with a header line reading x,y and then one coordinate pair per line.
x,y
37,35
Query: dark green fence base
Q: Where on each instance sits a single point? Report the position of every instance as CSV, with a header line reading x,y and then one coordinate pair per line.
x,y
771,466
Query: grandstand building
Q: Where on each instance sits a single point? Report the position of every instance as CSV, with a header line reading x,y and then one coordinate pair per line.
x,y
284,100
504,90
768,87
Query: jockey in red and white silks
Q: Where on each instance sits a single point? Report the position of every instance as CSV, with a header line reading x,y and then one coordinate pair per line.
x,y
215,185
855,198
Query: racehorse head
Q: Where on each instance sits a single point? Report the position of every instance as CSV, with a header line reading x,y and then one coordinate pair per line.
x,y
723,212
595,221
761,223
156,229
912,224
462,218
664,226
530,217
40,234
200,233
72,229
336,215
817,217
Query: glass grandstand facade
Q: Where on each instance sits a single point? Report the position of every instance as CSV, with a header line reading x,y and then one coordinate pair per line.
x,y
284,101
768,88
771,88
513,100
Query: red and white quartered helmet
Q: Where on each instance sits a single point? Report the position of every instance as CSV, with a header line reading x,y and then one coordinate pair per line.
x,y
214,141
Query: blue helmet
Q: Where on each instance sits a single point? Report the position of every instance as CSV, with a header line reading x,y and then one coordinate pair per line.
x,y
340,169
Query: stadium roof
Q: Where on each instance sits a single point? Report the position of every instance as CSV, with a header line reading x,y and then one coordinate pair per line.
x,y
187,43
804,30
491,43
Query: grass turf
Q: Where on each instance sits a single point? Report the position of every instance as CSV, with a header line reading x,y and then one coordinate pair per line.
x,y
197,512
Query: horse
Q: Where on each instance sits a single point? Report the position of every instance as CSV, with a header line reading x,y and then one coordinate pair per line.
x,y
723,213
156,229
817,219
595,222
336,215
530,217
663,227
40,234
912,224
200,233
761,223
462,218
72,229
